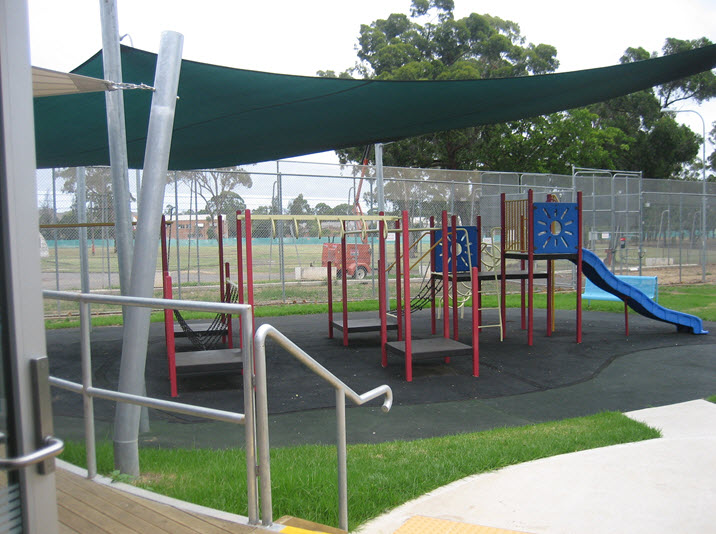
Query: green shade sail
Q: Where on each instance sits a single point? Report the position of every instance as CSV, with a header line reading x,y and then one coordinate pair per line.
x,y
228,117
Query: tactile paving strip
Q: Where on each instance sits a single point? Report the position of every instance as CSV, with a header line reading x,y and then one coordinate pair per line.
x,y
430,525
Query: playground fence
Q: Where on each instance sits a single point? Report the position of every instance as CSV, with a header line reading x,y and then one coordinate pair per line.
x,y
633,223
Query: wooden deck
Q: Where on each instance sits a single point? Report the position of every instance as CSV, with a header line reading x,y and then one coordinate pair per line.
x,y
87,507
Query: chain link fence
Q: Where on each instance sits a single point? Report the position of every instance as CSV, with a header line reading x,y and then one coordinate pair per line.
x,y
634,224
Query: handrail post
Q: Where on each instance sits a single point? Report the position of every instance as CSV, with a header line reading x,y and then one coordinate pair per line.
x,y
87,402
262,431
342,455
251,416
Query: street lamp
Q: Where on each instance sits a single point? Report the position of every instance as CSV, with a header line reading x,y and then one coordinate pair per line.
x,y
703,194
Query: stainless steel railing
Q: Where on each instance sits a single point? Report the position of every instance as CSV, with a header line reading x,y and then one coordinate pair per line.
x,y
89,392
342,391
255,416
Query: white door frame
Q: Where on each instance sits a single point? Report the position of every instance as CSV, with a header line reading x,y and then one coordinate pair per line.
x,y
22,259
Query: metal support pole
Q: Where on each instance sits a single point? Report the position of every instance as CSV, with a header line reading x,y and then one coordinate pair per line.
x,y
87,401
117,142
281,254
342,455
379,176
55,234
82,218
136,328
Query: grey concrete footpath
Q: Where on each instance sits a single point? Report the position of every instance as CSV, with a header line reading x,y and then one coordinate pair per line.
x,y
664,485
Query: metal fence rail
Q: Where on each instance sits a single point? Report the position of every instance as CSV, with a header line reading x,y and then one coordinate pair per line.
x,y
661,221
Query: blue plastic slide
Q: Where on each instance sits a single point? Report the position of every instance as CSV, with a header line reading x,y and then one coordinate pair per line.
x,y
600,275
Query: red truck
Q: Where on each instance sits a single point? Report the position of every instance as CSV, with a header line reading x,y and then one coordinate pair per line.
x,y
358,259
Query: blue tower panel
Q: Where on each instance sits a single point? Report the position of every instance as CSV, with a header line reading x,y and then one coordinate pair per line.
x,y
556,228
466,248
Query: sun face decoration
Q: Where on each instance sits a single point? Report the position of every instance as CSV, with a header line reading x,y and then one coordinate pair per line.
x,y
466,248
555,228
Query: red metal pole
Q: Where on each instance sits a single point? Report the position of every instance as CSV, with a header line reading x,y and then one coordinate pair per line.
x,y
240,274
523,316
550,311
344,282
250,269
382,297
479,268
383,318
530,268
453,222
220,227
398,285
408,326
503,271
433,325
329,279
475,324
446,293
229,330
163,239
579,267
169,336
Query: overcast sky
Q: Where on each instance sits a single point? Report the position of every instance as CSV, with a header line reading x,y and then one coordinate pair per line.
x,y
293,37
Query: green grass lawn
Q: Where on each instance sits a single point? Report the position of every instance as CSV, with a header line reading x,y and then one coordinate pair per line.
x,y
380,476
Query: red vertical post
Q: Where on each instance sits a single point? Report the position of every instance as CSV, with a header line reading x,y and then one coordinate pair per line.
x,y
382,311
344,282
475,324
479,268
446,293
433,325
240,274
163,240
503,271
398,284
329,280
382,293
169,336
550,310
250,269
579,266
229,326
453,254
408,326
523,316
530,268
220,228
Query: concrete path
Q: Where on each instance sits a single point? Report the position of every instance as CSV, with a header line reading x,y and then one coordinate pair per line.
x,y
664,485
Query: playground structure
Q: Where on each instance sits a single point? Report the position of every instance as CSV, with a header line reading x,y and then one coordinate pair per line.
x,y
529,232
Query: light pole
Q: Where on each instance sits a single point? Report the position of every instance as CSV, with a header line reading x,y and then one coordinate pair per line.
x,y
703,194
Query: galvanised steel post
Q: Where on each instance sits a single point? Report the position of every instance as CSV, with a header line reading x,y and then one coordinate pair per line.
x,y
136,324
82,219
117,142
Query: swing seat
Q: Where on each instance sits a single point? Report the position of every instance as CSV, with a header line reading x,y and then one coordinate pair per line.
x,y
207,336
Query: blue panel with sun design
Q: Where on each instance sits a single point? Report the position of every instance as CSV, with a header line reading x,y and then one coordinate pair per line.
x,y
466,248
556,228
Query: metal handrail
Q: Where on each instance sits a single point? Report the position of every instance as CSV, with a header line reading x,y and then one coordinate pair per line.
x,y
88,392
342,391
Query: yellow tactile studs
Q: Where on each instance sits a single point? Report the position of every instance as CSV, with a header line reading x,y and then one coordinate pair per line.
x,y
430,525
